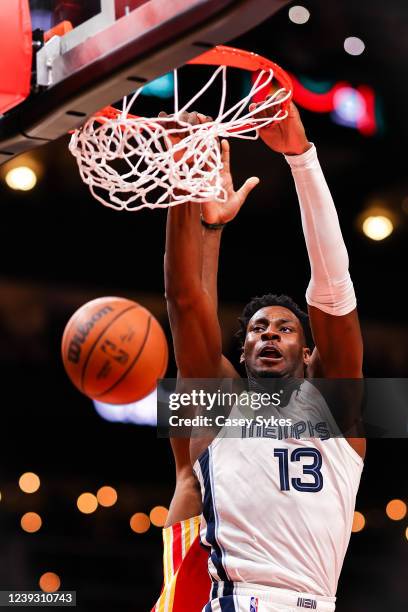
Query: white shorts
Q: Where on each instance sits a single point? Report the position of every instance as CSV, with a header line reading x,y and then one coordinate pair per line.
x,y
245,597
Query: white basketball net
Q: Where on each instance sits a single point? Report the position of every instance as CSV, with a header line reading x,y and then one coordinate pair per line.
x,y
133,162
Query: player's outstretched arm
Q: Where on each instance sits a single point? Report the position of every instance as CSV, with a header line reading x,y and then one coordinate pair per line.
x,y
186,501
330,294
215,216
193,319
191,302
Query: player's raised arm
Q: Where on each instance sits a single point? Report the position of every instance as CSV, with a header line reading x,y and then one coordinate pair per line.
x,y
330,294
214,218
193,319
191,301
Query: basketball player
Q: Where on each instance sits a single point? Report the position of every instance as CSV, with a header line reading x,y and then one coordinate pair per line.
x,y
185,561
277,519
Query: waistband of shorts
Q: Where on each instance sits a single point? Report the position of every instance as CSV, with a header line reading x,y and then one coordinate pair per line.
x,y
294,599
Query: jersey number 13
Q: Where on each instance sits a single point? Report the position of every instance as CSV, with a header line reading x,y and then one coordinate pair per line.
x,y
312,469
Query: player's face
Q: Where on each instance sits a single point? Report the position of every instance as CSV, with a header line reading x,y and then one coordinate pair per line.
x,y
275,344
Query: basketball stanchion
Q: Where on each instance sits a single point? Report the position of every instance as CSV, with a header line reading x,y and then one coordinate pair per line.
x,y
131,162
114,350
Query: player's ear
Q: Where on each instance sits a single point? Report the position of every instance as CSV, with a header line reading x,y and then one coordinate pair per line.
x,y
307,354
242,358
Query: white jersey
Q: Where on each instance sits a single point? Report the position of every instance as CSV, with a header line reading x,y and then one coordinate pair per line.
x,y
278,511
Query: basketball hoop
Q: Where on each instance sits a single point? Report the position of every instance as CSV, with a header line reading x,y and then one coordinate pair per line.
x,y
155,171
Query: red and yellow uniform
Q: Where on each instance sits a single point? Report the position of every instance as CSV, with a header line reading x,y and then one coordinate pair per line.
x,y
186,584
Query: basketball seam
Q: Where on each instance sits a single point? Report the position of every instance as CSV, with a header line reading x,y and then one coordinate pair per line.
x,y
132,364
96,342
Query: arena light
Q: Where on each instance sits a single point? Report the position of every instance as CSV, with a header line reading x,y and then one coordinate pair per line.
x,y
143,412
406,533
377,227
140,522
107,496
49,582
348,105
354,45
29,482
158,516
396,509
21,178
31,522
355,107
87,503
163,87
299,15
358,522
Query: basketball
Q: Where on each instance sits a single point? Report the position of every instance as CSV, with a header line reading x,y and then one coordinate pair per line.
x,y
114,350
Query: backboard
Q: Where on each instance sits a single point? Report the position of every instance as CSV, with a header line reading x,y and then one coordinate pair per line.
x,y
88,54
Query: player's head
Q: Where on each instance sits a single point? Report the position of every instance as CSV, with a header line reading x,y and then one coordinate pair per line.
x,y
275,337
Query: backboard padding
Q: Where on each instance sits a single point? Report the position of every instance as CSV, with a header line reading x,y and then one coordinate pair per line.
x,y
149,41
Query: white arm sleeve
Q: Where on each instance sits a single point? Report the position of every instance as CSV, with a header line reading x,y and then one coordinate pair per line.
x,y
330,288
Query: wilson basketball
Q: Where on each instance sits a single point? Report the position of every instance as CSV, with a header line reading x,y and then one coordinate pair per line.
x,y
114,350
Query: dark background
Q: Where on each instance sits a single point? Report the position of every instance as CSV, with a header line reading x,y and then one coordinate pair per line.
x,y
59,248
